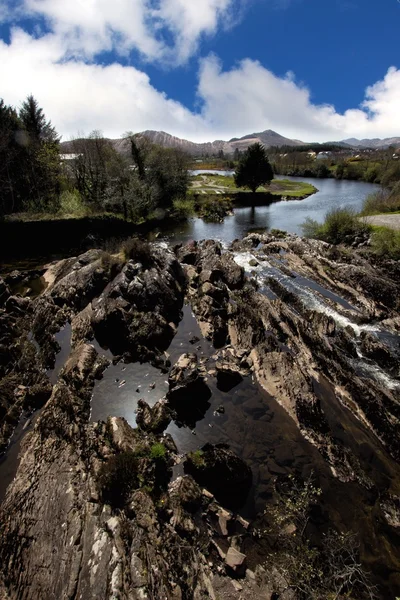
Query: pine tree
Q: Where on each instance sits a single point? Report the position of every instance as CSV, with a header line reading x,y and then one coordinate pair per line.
x,y
35,123
254,168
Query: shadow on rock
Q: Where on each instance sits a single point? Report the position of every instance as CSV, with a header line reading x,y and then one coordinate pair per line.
x,y
222,472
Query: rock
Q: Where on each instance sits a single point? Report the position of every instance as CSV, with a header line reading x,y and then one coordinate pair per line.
x,y
188,254
253,262
155,419
222,472
184,491
234,559
137,311
4,292
187,382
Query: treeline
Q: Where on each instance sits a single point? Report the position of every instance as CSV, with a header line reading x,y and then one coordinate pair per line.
x,y
93,178
29,158
375,167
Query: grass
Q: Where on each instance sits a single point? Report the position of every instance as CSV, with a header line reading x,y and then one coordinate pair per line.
x,y
208,183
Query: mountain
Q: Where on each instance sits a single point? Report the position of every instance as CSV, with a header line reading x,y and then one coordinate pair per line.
x,y
268,138
375,143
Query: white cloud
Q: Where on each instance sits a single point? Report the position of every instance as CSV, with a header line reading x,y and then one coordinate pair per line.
x,y
249,98
81,96
161,30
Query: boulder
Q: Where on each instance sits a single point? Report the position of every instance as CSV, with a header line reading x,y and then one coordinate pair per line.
x,y
153,419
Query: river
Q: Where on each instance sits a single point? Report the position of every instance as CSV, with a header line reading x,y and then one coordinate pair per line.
x,y
286,215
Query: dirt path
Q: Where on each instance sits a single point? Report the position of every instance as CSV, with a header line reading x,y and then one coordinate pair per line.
x,y
392,221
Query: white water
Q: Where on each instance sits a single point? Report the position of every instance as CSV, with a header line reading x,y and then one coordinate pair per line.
x,y
265,269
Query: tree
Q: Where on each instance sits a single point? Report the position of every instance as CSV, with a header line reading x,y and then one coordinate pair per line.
x,y
35,123
254,168
41,173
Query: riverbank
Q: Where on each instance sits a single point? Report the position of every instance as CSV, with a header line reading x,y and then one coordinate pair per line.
x,y
315,326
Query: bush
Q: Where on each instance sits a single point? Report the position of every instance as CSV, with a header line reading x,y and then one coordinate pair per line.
x,y
386,242
339,224
184,207
71,203
383,201
117,478
158,452
139,250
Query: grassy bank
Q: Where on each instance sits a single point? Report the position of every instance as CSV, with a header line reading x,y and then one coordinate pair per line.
x,y
209,183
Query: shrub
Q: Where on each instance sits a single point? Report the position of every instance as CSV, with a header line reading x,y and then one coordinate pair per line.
x,y
386,242
383,201
158,452
139,250
111,263
311,228
184,207
117,478
71,203
339,224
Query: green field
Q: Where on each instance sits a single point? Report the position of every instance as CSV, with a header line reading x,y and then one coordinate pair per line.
x,y
209,183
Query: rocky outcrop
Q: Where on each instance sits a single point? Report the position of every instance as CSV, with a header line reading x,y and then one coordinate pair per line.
x,y
188,393
137,311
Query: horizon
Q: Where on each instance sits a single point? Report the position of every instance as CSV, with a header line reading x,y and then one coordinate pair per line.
x,y
214,71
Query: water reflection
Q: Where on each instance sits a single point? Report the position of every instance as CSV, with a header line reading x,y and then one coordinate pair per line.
x,y
285,215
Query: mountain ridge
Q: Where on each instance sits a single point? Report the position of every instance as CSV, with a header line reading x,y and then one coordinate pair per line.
x,y
268,138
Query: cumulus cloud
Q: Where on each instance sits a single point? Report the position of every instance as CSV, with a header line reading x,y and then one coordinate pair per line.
x,y
167,31
80,96
250,97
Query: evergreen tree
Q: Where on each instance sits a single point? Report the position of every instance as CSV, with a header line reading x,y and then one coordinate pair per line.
x,y
254,168
35,123
40,174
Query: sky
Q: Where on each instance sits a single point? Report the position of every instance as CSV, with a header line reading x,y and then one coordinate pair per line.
x,y
314,70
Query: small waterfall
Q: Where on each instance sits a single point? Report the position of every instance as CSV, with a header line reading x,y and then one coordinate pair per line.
x,y
310,299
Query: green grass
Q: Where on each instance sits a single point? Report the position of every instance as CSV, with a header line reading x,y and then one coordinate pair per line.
x,y
209,183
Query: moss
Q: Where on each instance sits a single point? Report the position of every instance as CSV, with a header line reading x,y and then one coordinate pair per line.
x,y
197,458
158,452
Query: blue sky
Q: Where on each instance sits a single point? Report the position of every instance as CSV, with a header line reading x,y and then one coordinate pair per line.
x,y
206,69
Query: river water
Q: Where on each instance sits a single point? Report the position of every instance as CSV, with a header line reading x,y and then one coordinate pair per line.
x,y
286,215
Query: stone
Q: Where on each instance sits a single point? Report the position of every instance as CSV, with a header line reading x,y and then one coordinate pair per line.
x,y
235,559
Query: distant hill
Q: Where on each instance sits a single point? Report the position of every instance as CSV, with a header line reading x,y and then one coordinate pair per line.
x,y
374,143
268,138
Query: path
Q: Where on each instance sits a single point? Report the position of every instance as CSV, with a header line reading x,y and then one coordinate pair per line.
x,y
392,221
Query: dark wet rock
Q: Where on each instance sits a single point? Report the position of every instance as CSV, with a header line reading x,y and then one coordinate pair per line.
x,y
184,491
376,350
187,381
4,292
154,419
188,254
135,314
222,472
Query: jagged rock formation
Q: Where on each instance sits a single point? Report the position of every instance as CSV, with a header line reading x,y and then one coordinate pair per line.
x,y
94,511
